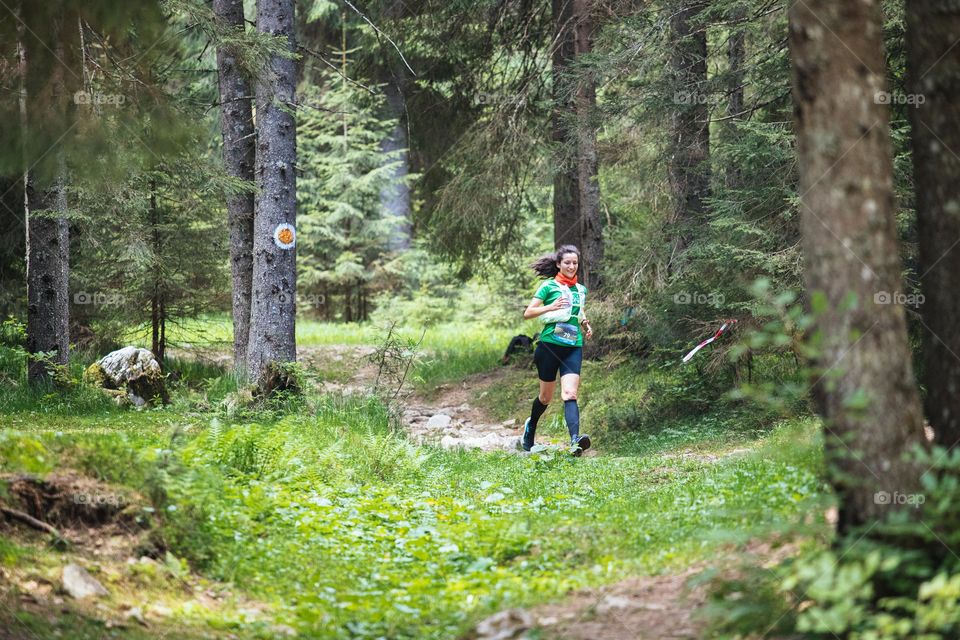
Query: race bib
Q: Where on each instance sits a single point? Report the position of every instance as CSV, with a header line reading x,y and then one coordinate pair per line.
x,y
566,333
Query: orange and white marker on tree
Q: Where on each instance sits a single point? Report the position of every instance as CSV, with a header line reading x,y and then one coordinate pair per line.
x,y
285,236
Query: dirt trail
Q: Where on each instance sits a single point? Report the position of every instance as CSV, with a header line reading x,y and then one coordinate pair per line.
x,y
446,418
640,607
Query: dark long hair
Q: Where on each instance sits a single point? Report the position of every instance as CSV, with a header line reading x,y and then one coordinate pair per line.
x,y
546,265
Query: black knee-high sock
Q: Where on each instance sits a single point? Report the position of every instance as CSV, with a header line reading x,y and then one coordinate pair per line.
x,y
571,413
531,430
536,412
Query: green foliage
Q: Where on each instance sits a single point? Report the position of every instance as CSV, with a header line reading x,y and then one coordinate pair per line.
x,y
13,354
163,250
449,535
901,581
780,333
426,292
344,233
322,506
24,452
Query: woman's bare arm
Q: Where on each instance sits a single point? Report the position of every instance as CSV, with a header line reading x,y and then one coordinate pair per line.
x,y
537,308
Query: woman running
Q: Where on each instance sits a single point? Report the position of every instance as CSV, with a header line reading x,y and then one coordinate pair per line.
x,y
558,304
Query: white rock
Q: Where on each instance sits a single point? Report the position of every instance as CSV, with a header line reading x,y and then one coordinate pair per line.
x,y
449,442
136,613
128,364
80,584
506,625
439,421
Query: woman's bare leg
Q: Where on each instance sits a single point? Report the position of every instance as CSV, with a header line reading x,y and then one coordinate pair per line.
x,y
569,386
546,391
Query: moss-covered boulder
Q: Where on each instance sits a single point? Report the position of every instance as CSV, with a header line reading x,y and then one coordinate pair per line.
x,y
132,370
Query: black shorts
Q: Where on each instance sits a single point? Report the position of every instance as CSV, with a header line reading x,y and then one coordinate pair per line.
x,y
551,358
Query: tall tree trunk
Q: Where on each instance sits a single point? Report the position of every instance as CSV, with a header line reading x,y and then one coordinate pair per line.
x,y
48,273
273,308
236,124
576,189
688,170
157,315
933,60
866,390
47,238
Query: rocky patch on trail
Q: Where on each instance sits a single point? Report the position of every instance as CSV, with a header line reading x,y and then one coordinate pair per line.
x,y
453,427
447,420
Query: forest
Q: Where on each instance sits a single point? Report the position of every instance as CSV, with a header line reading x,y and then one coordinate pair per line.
x,y
479,319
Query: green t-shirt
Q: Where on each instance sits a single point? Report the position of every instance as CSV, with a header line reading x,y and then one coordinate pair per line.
x,y
549,291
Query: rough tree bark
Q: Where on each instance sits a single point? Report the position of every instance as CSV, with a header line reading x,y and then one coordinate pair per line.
x,y
576,189
933,60
47,236
158,313
273,307
865,389
236,124
688,169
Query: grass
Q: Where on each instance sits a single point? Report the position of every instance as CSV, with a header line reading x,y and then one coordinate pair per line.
x,y
447,351
347,530
342,528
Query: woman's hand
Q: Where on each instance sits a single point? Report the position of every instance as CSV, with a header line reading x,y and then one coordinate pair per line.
x,y
589,332
557,304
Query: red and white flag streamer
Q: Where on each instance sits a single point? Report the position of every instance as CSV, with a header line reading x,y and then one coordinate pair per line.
x,y
726,325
